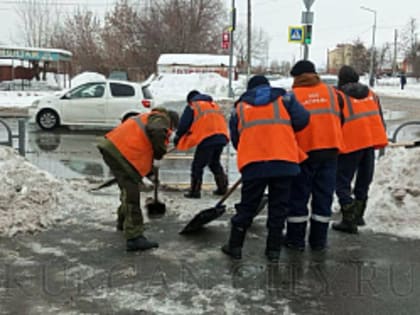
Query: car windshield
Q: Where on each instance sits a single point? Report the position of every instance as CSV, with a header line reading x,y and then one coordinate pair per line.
x,y
331,80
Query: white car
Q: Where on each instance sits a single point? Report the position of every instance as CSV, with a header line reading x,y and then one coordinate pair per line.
x,y
98,104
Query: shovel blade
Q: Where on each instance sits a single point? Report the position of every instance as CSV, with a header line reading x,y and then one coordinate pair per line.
x,y
202,218
155,208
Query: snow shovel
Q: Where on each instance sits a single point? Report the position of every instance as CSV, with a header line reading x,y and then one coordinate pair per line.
x,y
210,214
113,180
155,208
105,184
407,144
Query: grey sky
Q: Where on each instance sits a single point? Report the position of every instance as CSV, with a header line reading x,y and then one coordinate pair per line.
x,y
335,21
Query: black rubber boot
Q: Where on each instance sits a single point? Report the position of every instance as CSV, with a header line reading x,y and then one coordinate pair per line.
x,y
295,236
273,246
140,243
221,183
195,189
348,221
318,235
360,211
236,240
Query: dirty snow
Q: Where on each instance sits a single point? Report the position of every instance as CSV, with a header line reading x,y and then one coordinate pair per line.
x,y
32,199
394,203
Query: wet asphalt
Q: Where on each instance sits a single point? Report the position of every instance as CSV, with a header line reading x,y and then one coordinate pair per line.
x,y
80,269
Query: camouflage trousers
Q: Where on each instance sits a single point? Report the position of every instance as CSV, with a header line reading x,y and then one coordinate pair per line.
x,y
129,212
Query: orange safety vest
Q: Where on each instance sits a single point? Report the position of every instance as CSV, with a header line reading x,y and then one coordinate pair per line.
x,y
324,128
208,121
131,140
266,134
363,126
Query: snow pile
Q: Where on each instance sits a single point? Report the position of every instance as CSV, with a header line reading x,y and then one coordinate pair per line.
x,y
86,77
394,202
19,99
175,87
30,199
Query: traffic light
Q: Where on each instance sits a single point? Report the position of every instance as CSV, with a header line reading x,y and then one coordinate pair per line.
x,y
308,34
225,40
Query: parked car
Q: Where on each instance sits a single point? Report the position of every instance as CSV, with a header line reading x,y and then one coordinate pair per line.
x,y
100,104
329,79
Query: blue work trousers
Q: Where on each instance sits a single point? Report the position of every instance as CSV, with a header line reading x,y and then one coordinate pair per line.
x,y
251,194
360,164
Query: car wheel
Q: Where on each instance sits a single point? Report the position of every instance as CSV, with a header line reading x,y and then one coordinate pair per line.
x,y
48,119
128,116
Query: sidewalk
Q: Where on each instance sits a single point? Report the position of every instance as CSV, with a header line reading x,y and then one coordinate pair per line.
x,y
82,268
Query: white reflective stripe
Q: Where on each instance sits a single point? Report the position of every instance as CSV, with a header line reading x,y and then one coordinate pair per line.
x,y
139,123
299,219
201,112
320,218
259,122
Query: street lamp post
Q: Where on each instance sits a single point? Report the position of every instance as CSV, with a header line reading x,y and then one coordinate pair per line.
x,y
372,54
231,66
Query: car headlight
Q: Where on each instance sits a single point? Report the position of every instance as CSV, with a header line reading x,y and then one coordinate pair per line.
x,y
35,104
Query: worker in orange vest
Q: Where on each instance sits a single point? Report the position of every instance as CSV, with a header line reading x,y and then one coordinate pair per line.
x,y
262,128
203,125
322,140
131,150
363,131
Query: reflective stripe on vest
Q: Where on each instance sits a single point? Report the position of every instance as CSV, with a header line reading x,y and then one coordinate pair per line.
x,y
139,123
353,116
297,219
201,112
320,218
270,121
208,121
330,110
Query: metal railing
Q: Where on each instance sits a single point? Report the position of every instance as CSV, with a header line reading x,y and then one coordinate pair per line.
x,y
396,132
21,135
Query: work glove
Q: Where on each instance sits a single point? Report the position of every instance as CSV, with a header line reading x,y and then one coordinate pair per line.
x,y
146,184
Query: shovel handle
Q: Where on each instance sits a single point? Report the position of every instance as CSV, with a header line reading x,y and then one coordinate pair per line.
x,y
156,183
229,192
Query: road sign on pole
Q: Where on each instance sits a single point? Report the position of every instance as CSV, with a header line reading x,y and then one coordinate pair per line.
x,y
295,34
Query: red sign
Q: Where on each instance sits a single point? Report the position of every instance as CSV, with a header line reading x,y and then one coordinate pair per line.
x,y
225,40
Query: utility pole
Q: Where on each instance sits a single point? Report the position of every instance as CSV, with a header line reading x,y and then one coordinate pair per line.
x,y
248,61
232,30
372,54
394,61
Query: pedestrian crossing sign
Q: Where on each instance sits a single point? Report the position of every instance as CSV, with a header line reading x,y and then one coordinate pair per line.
x,y
295,34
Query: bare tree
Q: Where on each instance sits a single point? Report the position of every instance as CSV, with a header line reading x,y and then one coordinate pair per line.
x,y
181,26
384,57
122,40
38,19
361,57
259,49
81,34
411,46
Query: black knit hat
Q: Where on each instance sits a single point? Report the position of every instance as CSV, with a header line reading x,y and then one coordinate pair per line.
x,y
191,95
257,80
347,74
302,66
